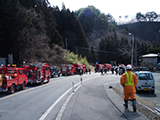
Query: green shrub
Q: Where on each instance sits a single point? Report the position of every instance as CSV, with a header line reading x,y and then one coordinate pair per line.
x,y
75,59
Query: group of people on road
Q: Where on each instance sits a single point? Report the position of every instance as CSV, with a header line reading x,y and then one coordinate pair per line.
x,y
118,69
115,69
105,70
128,81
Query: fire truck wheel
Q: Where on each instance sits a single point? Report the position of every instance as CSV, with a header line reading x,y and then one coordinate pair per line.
x,y
23,86
48,79
42,82
12,89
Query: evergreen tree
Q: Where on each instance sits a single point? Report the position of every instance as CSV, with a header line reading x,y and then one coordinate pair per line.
x,y
154,44
157,43
14,28
92,55
29,3
92,19
70,28
101,51
52,32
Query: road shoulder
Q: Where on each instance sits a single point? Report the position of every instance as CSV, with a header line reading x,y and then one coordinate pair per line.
x,y
118,102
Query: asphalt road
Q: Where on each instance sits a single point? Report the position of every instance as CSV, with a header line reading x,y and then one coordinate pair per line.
x,y
43,102
91,102
147,98
32,103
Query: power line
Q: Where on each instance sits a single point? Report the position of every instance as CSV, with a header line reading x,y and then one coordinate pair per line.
x,y
75,39
100,50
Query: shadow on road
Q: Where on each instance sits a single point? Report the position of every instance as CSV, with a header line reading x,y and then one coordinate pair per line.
x,y
28,86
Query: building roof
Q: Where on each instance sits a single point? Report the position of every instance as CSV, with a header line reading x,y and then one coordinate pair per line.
x,y
150,55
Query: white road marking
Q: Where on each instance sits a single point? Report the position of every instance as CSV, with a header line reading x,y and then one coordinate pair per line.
x,y
60,114
52,106
55,103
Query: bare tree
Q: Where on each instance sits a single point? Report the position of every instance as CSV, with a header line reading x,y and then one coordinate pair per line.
x,y
126,17
125,51
151,16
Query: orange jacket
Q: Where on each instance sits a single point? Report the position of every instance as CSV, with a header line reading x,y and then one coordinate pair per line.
x,y
130,88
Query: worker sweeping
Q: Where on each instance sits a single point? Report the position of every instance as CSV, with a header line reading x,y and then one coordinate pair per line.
x,y
129,80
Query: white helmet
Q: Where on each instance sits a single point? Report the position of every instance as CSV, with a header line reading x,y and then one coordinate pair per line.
x,y
128,67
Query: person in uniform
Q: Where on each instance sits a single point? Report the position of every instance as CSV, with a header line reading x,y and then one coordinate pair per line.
x,y
129,80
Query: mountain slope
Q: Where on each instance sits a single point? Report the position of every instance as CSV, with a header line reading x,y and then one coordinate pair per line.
x,y
143,31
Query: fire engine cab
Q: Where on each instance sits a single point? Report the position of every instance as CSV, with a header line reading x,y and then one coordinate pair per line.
x,y
37,72
84,69
12,78
68,69
79,68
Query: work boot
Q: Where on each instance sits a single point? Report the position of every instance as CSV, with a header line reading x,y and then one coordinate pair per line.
x,y
125,103
134,105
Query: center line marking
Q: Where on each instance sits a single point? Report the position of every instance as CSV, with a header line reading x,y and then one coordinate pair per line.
x,y
55,103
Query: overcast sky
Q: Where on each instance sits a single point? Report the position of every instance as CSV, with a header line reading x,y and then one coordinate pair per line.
x,y
115,7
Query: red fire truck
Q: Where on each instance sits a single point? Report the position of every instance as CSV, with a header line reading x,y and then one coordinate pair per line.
x,y
98,67
12,78
108,66
68,69
84,69
37,72
79,68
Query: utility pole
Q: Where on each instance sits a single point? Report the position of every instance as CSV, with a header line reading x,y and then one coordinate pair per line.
x,y
66,46
132,48
136,52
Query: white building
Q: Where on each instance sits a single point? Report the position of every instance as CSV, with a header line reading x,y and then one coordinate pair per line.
x,y
150,60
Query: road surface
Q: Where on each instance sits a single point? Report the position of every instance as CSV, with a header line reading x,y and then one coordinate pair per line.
x,y
47,102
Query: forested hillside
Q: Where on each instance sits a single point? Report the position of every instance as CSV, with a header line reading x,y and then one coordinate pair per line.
x,y
31,30
95,23
143,31
111,42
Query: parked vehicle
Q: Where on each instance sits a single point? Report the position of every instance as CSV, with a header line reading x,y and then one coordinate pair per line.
x,y
54,72
84,69
158,66
37,72
78,68
121,69
98,67
139,68
68,69
12,78
108,66
146,81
